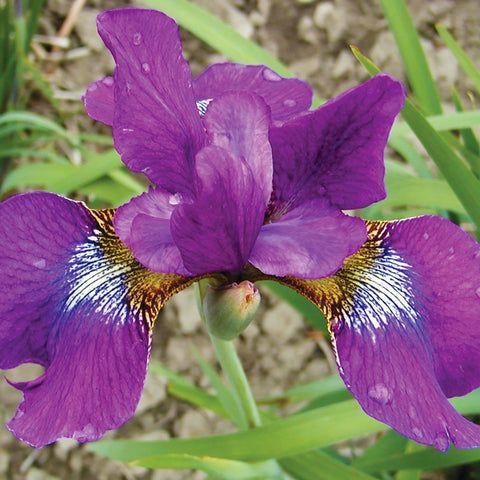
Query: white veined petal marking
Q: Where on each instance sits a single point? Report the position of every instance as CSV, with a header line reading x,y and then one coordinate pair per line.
x,y
95,280
103,277
375,287
380,292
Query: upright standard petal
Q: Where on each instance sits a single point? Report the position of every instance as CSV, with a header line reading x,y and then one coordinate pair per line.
x,y
99,100
156,126
217,231
287,97
73,299
406,307
239,122
337,150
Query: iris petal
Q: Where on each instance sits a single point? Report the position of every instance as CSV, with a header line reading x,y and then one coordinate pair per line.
x,y
217,231
73,299
310,241
143,225
337,150
287,97
239,122
156,126
99,100
403,314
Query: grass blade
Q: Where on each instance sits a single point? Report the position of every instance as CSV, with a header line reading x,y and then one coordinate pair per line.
x,y
388,445
308,391
451,121
416,66
97,166
403,147
462,181
29,120
427,459
35,7
224,394
181,388
320,466
218,467
469,138
411,474
421,192
217,34
282,438
462,58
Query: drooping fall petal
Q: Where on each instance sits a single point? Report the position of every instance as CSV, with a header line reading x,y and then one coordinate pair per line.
x,y
74,300
403,314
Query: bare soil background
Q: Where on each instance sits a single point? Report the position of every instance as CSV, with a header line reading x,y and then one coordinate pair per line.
x,y
312,38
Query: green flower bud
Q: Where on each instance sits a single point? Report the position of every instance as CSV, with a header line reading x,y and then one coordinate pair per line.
x,y
229,309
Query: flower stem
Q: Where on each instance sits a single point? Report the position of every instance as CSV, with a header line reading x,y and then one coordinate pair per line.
x,y
233,370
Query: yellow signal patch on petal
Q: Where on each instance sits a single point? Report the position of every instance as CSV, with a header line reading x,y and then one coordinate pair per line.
x,y
124,283
375,277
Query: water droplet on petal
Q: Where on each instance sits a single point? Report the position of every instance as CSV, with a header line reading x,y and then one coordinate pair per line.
x,y
85,434
477,253
426,236
271,76
92,87
137,39
380,393
441,443
417,433
289,103
145,68
477,292
108,81
175,199
41,263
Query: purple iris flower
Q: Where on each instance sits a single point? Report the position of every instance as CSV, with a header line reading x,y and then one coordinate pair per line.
x,y
247,184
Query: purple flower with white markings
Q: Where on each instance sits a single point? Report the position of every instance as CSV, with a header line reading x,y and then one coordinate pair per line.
x,y
247,184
